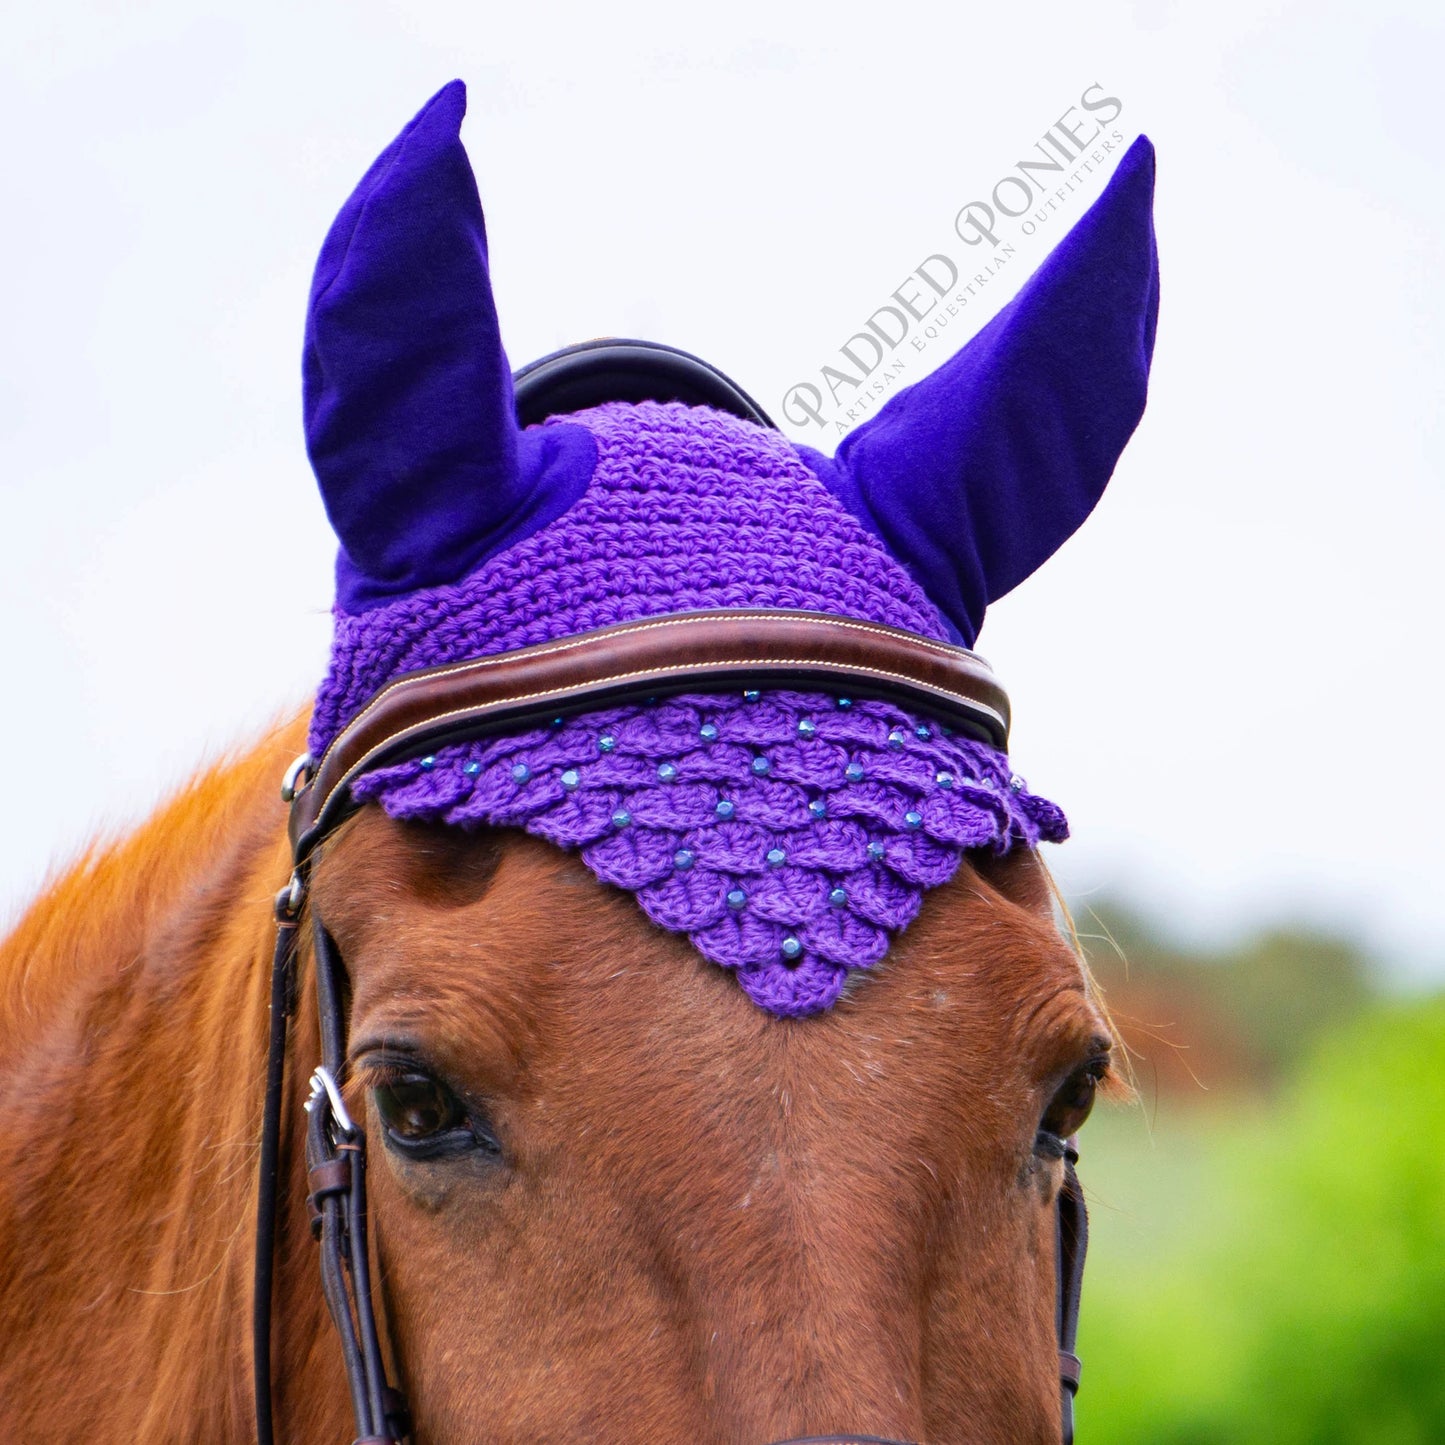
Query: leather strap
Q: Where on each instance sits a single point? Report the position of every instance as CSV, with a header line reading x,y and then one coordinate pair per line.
x,y
842,1440
283,990
680,652
1073,1245
1070,1367
336,1168
616,368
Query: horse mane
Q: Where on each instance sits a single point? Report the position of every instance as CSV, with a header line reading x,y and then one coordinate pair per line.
x,y
93,921
133,1002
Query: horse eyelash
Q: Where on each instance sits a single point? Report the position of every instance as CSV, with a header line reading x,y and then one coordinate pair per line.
x,y
1113,1081
379,1072
373,1073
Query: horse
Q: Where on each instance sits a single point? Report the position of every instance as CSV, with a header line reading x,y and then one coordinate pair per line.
x,y
612,1194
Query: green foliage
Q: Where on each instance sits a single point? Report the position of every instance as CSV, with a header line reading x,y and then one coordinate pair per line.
x,y
1279,1277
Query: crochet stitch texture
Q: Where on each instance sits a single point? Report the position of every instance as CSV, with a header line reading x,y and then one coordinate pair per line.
x,y
787,834
688,508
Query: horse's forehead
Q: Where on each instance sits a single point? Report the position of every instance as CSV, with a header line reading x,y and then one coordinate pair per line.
x,y
500,942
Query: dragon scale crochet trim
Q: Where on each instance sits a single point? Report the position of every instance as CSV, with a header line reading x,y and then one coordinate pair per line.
x,y
788,835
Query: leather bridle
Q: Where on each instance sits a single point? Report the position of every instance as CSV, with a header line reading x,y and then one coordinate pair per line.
x,y
416,714
693,652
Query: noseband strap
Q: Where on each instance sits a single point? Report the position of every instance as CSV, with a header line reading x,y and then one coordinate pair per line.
x,y
679,653
841,1440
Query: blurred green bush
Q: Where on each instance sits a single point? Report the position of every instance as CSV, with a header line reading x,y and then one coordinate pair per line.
x,y
1276,1272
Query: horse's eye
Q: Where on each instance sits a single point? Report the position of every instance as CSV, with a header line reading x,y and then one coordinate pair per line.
x,y
1070,1106
422,1116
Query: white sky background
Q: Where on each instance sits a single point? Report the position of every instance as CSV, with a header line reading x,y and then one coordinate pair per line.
x,y
1230,678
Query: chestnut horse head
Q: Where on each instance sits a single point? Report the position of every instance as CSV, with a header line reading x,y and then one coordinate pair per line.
x,y
619,1202
662,896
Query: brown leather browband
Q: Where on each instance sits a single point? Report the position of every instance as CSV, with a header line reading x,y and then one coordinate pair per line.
x,y
681,652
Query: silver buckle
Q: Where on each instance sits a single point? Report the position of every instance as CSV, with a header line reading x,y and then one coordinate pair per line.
x,y
323,1089
295,778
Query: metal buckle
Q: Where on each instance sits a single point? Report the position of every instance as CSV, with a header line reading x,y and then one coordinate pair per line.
x,y
295,778
290,899
323,1089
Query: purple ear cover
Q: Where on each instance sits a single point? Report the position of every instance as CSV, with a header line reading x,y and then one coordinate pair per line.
x,y
977,474
408,394
464,537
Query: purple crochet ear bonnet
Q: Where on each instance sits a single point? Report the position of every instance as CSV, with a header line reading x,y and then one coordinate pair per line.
x,y
788,835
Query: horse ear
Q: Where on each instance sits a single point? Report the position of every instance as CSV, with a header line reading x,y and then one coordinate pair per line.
x,y
408,396
977,474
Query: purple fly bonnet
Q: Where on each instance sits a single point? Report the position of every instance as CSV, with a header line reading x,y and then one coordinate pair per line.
x,y
788,834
